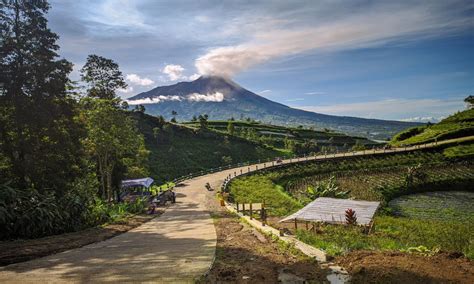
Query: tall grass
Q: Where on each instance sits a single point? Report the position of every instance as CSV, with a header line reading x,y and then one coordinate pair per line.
x,y
259,188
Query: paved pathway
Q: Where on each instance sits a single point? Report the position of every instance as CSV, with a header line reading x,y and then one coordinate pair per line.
x,y
178,246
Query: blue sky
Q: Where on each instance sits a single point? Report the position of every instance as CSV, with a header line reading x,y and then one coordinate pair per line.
x,y
379,59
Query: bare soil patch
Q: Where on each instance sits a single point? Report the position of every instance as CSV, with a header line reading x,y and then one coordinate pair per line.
x,y
23,250
245,255
397,267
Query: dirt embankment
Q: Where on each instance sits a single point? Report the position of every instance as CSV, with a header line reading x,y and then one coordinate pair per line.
x,y
397,267
245,255
23,250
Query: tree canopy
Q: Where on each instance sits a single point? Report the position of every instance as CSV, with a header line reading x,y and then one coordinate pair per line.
x,y
40,137
102,76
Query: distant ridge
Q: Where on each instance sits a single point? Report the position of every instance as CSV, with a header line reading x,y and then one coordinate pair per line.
x,y
222,98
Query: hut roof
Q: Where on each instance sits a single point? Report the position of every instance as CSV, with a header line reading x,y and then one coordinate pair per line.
x,y
333,210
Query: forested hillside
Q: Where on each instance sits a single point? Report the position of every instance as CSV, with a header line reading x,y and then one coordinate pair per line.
x,y
177,150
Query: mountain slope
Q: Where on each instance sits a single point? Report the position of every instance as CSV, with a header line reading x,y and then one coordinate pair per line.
x,y
222,98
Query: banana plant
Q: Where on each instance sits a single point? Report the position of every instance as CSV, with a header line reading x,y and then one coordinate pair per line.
x,y
326,188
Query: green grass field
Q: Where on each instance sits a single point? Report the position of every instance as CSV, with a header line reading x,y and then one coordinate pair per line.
x,y
394,233
457,125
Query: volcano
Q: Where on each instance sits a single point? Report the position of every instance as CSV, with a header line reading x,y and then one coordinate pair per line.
x,y
222,99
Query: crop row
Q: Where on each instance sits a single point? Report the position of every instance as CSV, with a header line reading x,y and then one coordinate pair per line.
x,y
366,183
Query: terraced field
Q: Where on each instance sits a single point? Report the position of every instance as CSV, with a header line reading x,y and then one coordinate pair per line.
x,y
379,178
442,205
414,221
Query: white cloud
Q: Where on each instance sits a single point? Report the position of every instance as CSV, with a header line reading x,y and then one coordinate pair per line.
x,y
264,92
422,119
117,13
135,79
173,71
154,100
215,97
194,77
377,25
392,108
315,93
194,97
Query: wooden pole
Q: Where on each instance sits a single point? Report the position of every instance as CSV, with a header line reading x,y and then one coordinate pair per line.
x,y
250,211
296,225
243,208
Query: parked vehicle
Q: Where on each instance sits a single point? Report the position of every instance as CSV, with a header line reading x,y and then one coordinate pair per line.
x,y
164,197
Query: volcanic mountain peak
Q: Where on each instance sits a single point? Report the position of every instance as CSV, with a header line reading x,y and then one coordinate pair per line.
x,y
216,82
221,98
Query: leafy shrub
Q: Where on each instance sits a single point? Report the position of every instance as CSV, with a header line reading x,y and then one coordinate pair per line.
x,y
327,188
351,217
27,213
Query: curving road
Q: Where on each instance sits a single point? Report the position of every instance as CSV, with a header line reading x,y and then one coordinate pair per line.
x,y
178,246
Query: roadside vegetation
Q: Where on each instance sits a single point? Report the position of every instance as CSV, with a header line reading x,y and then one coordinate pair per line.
x,y
65,146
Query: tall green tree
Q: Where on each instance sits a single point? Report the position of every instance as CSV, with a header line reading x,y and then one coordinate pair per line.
x,y
113,141
203,121
103,77
39,136
469,100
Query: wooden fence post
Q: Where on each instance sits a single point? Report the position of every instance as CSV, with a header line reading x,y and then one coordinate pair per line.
x,y
250,211
243,208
